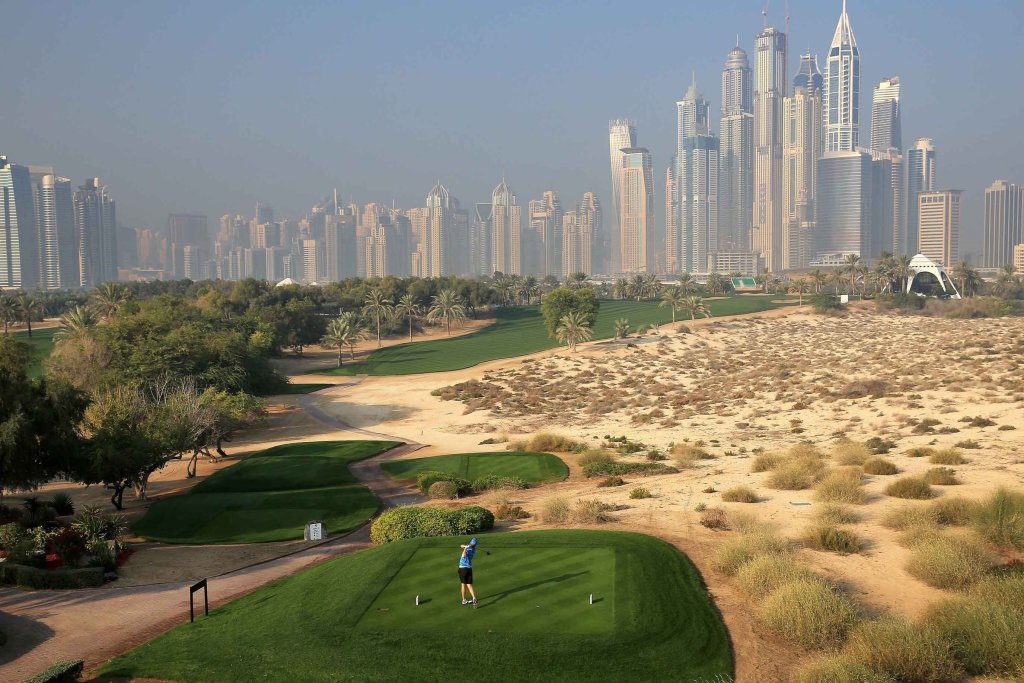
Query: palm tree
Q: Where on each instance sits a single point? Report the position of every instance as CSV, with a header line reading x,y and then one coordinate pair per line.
x,y
716,283
637,285
621,328
447,306
686,282
108,297
652,286
836,279
8,311
29,308
621,288
76,323
673,298
801,286
341,332
576,280
408,308
818,278
969,279
850,268
902,271
377,307
694,305
573,329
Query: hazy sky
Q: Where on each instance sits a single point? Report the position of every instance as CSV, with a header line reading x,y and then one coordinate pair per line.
x,y
211,106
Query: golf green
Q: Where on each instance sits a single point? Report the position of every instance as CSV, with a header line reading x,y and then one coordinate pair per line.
x,y
41,343
534,468
355,618
520,331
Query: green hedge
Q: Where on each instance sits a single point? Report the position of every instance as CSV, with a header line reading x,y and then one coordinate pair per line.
x,y
34,577
425,479
496,481
414,522
61,672
607,469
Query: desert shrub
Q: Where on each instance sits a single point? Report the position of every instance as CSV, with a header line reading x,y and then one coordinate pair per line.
x,y
920,452
825,303
1004,589
762,575
949,561
490,482
747,522
847,452
611,481
832,513
838,669
986,637
795,475
879,446
596,469
686,455
739,494
730,557
424,480
941,476
809,613
765,462
595,455
640,492
546,441
904,651
61,672
969,444
953,511
411,521
62,504
443,490
506,511
713,518
840,486
589,512
832,538
700,507
1000,519
909,517
880,466
947,456
555,510
911,488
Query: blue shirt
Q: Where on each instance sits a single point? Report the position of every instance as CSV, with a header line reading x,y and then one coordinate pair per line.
x,y
467,557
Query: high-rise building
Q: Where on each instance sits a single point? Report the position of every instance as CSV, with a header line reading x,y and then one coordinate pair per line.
x,y
572,248
694,229
770,87
886,130
843,204
736,159
340,246
879,231
57,237
801,149
621,135
590,224
185,229
19,238
445,235
842,90
920,163
506,231
1004,222
481,240
672,238
938,227
636,212
1018,257
96,223
891,161
545,236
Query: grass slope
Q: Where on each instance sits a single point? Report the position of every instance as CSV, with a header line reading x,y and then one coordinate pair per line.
x,y
532,467
521,331
41,342
291,389
354,619
270,496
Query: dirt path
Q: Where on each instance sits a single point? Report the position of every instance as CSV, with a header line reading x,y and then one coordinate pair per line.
x,y
44,627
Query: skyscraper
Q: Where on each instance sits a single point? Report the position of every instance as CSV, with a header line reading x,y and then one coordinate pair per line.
x,y
1004,222
843,203
446,234
481,240
920,178
340,247
57,237
769,90
886,130
694,228
186,229
736,159
801,149
842,90
507,228
636,212
19,239
546,235
621,135
938,226
96,223
589,221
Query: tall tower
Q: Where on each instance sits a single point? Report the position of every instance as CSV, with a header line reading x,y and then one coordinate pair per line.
x,y
692,114
589,220
1004,222
636,212
886,130
621,135
920,178
507,222
19,240
842,89
736,157
769,90
438,227
55,220
939,226
96,221
546,233
801,148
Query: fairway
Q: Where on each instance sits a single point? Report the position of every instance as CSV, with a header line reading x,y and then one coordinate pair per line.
x,y
521,590
534,468
41,342
355,618
270,496
521,331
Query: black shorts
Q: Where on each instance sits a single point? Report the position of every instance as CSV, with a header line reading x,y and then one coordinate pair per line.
x,y
466,574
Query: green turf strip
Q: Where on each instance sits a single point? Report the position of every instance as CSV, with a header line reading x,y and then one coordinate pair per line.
x,y
270,496
531,467
520,331
41,343
293,389
315,625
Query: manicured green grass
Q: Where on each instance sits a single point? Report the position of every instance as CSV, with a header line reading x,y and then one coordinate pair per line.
x,y
521,331
534,468
41,342
292,389
355,618
270,496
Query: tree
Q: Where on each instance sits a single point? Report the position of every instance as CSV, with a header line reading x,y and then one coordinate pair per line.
x,y
8,311
377,307
577,280
223,414
850,267
652,286
686,282
818,278
407,307
560,302
29,308
573,328
694,305
621,328
447,306
637,286
969,279
342,332
76,323
673,298
801,286
902,271
108,297
716,283
621,288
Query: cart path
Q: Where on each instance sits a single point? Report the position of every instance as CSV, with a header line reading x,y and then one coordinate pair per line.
x,y
44,627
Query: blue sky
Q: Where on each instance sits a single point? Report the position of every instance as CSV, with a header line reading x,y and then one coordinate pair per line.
x,y
211,106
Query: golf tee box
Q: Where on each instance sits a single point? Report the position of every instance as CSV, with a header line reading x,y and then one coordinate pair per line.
x,y
314,531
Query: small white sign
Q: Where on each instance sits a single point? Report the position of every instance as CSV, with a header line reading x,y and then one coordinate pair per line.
x,y
314,531
844,298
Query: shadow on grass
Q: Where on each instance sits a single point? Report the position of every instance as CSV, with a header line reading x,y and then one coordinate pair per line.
x,y
527,586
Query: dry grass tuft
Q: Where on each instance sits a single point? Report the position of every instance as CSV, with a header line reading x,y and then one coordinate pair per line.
x,y
766,462
904,651
555,510
764,574
941,476
733,554
832,539
880,466
739,494
947,456
920,452
838,669
1000,519
841,486
950,561
595,455
1007,589
910,516
809,613
850,453
910,488
714,518
546,441
589,512
831,513
686,455
987,636
953,511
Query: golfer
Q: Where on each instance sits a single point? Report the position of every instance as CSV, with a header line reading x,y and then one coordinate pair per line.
x,y
466,571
